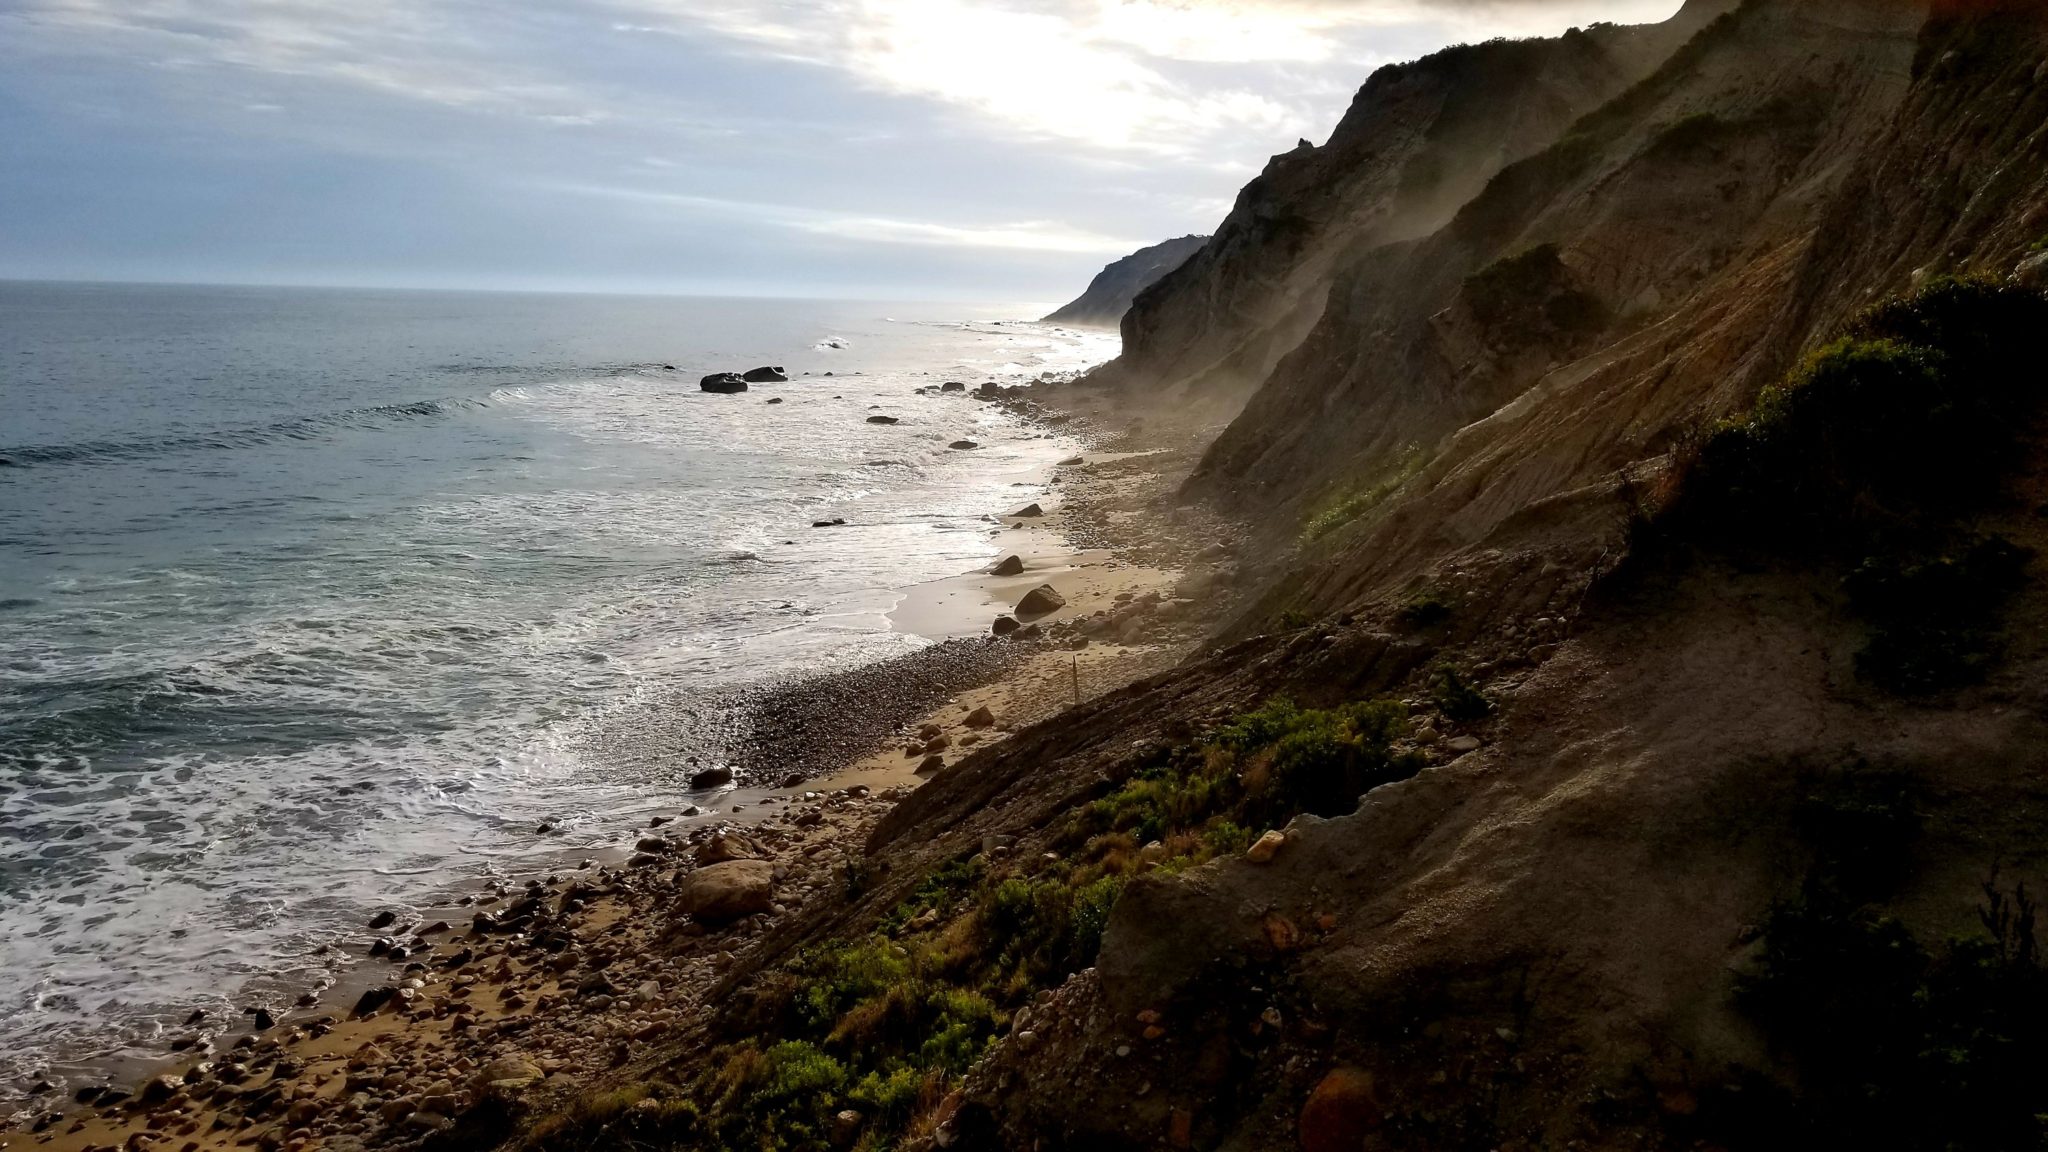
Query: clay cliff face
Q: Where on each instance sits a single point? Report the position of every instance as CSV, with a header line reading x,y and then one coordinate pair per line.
x,y
1419,140
1109,295
1524,804
1570,926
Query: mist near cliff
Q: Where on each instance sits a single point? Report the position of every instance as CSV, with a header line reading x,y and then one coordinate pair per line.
x,y
912,148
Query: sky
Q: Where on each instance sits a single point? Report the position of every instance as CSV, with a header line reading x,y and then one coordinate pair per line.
x,y
885,149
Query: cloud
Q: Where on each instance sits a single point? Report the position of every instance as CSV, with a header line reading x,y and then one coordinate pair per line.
x,y
1038,136
1027,235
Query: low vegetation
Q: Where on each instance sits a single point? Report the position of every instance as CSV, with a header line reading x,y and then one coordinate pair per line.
x,y
1875,458
1895,1043
1530,298
855,1043
1350,504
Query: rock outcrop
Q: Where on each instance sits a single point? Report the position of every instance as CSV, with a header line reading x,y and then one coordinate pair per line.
x,y
1419,141
1109,295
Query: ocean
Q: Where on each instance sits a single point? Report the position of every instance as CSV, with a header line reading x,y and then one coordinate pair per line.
x,y
314,600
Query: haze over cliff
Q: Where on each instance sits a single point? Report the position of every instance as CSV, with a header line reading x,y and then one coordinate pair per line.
x,y
1109,295
1623,724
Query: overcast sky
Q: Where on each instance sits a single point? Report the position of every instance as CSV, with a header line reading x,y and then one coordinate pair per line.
x,y
906,149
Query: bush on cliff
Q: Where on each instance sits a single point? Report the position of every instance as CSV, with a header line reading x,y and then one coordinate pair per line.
x,y
1874,457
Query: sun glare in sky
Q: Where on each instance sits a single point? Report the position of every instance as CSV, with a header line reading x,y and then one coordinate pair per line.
x,y
892,147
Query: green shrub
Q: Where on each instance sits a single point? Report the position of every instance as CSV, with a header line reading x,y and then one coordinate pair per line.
x,y
1350,504
1425,609
1894,1044
1258,771
1935,619
1530,298
1455,698
1891,431
1873,456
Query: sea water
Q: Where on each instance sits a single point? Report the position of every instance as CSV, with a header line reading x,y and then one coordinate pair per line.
x,y
313,600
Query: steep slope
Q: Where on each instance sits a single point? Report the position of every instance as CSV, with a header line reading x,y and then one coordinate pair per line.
x,y
1109,295
1418,141
1646,751
1615,287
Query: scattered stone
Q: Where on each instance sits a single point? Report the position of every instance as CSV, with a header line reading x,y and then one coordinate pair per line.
x,y
1266,847
953,386
1071,461
509,1072
1342,1113
726,845
1028,511
723,382
1004,625
766,375
835,522
383,919
931,764
1012,565
1463,744
881,419
719,893
980,718
963,445
1041,600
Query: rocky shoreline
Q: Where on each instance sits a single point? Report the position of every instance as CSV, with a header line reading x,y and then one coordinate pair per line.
x,y
557,978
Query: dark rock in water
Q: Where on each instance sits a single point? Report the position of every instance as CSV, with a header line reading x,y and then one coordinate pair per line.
x,y
668,367
264,1022
710,778
775,400
1004,625
723,382
1041,600
197,1015
952,386
766,375
881,419
963,444
89,1093
1008,566
1029,510
383,919
1070,461
836,522
658,821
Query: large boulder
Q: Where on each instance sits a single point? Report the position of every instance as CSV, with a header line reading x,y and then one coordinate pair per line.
x,y
1008,566
1041,600
721,892
766,375
1029,510
953,386
710,778
725,382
